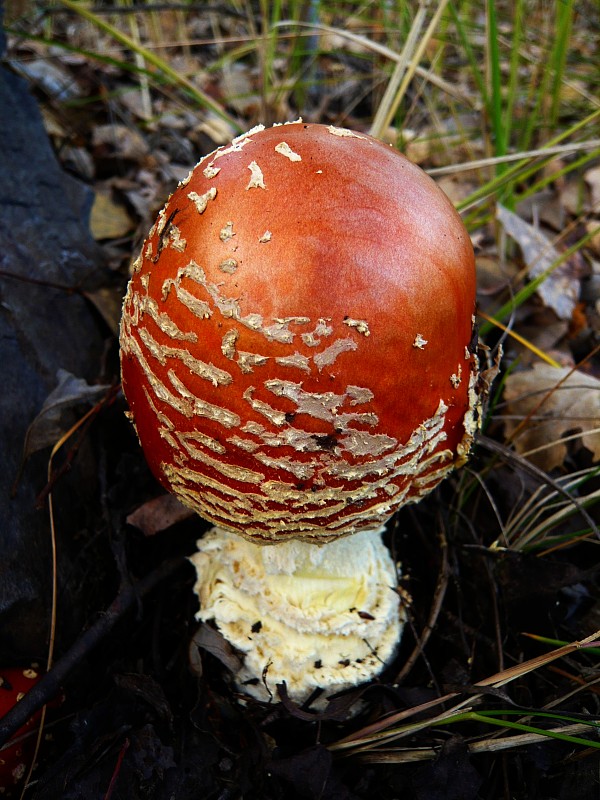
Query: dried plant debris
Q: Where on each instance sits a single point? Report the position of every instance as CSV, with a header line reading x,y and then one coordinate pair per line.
x,y
158,514
51,423
109,219
550,408
560,288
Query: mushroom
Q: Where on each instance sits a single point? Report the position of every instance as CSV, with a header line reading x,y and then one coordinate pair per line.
x,y
15,682
296,355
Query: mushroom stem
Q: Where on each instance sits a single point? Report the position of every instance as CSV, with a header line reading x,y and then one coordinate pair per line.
x,y
312,616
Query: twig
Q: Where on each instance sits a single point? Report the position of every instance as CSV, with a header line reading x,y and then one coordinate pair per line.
x,y
414,47
61,287
489,745
50,685
440,592
378,731
117,769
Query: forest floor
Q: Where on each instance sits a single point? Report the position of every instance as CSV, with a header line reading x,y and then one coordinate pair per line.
x,y
492,694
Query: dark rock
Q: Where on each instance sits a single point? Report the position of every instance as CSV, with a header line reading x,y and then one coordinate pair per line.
x,y
44,245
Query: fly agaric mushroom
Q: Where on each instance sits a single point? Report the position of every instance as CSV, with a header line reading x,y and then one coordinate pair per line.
x,y
296,354
16,753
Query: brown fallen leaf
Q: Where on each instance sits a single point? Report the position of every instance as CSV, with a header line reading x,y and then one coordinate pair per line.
x,y
560,290
207,638
546,404
120,141
158,514
109,220
51,422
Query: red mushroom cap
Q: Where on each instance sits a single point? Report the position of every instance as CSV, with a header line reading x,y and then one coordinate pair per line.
x,y
296,335
15,682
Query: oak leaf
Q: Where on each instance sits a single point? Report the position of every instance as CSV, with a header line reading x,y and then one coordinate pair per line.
x,y
547,404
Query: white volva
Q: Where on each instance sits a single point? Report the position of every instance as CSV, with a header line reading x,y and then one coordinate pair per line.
x,y
307,615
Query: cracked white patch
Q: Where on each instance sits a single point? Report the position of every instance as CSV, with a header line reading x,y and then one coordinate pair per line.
x,y
300,440
272,414
200,308
266,237
201,408
228,266
163,321
237,144
226,233
203,439
183,183
325,406
160,223
285,150
201,201
248,361
299,469
278,332
228,343
244,444
252,321
257,180
243,138
344,132
456,378
216,376
297,361
211,171
420,342
328,356
313,339
229,471
176,240
295,320
359,395
363,443
361,325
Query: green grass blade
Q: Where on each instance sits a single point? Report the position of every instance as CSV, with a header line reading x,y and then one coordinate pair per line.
x,y
495,107
160,64
563,26
473,716
472,58
527,291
